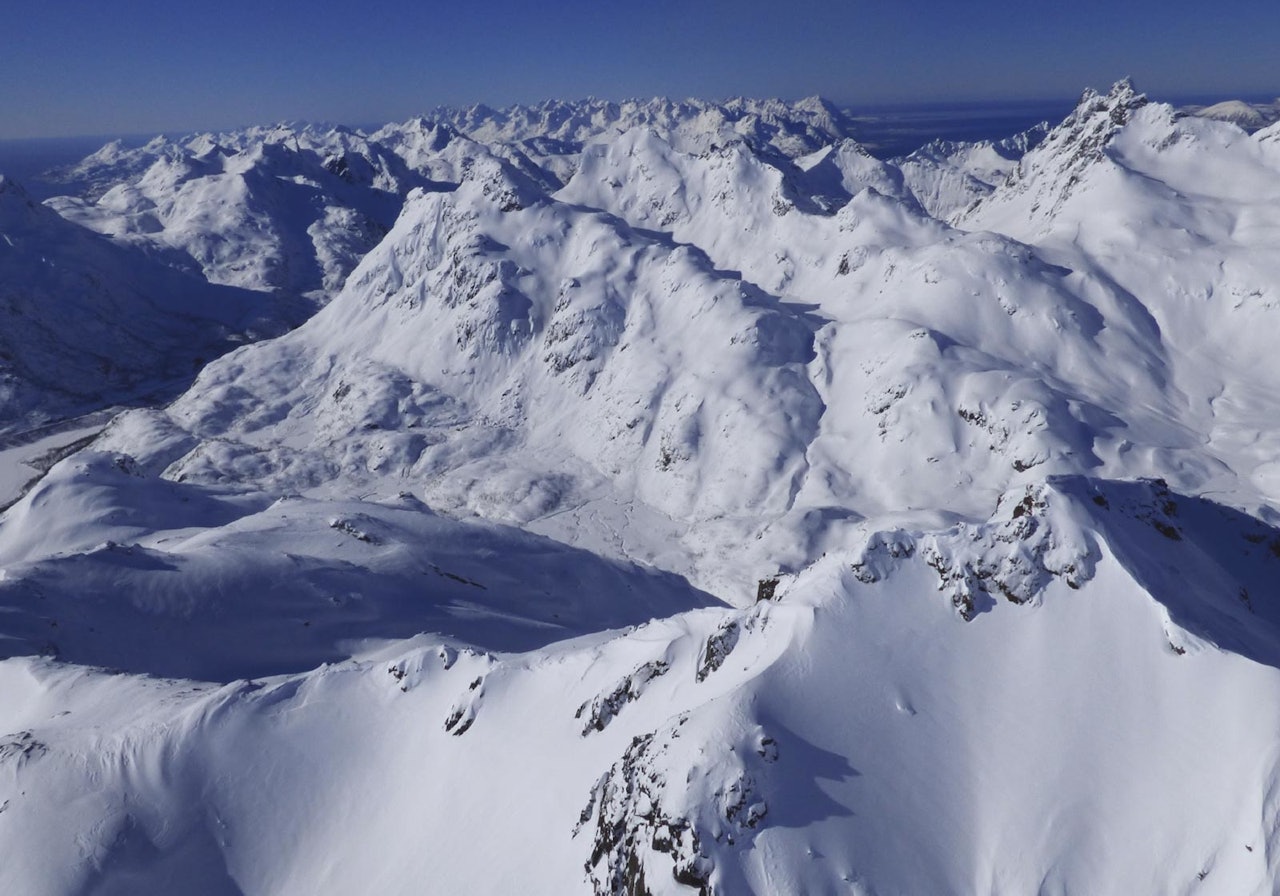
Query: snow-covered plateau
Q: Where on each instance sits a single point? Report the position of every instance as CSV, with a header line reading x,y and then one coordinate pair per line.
x,y
645,498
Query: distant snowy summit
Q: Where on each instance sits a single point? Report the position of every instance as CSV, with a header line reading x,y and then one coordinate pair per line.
x,y
1249,116
90,321
657,498
790,129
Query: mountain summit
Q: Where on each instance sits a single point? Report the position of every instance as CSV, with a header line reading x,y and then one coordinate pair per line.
x,y
644,498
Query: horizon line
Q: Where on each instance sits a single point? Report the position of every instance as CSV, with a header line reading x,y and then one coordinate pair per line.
x,y
852,109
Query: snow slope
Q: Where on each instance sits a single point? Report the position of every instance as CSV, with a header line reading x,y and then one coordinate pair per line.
x,y
280,210
856,734
1179,214
659,509
1249,116
90,323
515,363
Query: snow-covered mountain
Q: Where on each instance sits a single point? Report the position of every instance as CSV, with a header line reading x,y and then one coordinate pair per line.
x,y
791,129
1249,116
1178,214
948,177
675,499
280,209
89,322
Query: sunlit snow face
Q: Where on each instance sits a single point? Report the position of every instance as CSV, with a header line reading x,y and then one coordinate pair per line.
x,y
655,494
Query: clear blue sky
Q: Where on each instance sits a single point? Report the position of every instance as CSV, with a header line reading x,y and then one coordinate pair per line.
x,y
71,67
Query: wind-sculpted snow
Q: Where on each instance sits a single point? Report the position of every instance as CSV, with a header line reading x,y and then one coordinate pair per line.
x,y
677,499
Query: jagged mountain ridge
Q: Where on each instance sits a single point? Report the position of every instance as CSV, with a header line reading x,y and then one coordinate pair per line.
x,y
298,205
1124,188
964,646
272,210
791,129
948,177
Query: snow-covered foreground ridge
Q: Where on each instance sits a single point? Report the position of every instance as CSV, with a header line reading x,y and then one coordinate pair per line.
x,y
675,499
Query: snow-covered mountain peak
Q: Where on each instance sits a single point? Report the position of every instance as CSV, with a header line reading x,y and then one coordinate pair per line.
x,y
1121,96
1096,118
1236,112
643,177
673,498
947,178
275,209
113,163
1077,155
420,134
90,321
836,173
770,126
1121,151
1248,116
29,226
822,109
1080,140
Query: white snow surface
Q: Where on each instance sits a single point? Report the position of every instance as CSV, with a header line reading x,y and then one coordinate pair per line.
x,y
675,499
771,126
947,178
1249,116
89,322
280,209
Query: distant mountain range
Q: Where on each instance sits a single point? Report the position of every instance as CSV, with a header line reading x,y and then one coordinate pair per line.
x,y
648,497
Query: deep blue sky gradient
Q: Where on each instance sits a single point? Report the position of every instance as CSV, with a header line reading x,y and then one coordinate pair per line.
x,y
78,67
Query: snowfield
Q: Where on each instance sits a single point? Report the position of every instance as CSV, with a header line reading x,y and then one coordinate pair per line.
x,y
657,498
